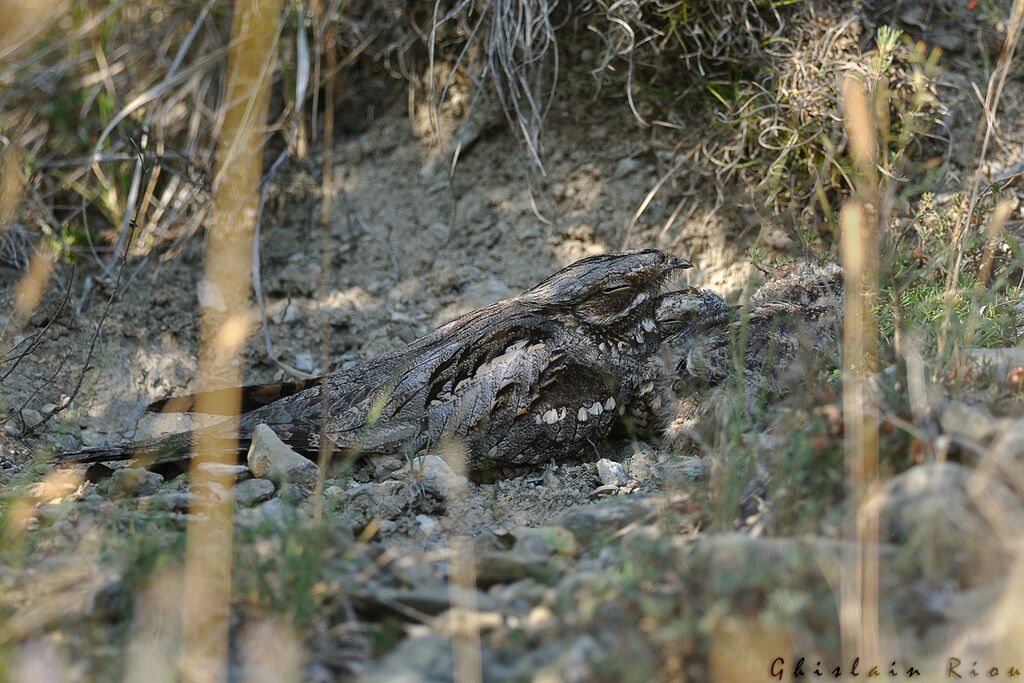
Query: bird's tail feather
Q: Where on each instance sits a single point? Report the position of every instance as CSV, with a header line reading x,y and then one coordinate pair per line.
x,y
172,449
253,396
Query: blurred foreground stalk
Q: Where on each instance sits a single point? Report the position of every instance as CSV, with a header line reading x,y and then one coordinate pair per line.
x,y
859,223
223,331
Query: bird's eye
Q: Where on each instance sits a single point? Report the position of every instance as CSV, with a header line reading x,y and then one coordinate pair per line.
x,y
615,289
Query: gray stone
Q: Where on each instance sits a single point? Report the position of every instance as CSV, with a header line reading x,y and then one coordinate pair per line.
x,y
273,512
683,467
291,493
507,567
134,481
218,469
640,461
270,458
93,439
415,660
954,521
174,501
31,417
253,491
968,422
604,518
434,469
602,491
611,473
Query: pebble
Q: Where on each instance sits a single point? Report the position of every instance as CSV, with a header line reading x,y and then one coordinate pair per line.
x,y
217,469
675,468
253,491
605,517
270,458
304,361
507,567
291,493
173,501
602,491
433,469
92,439
273,512
426,522
611,473
134,481
31,417
967,421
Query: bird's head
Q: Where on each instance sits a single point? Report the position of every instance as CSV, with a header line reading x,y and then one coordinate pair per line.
x,y
602,290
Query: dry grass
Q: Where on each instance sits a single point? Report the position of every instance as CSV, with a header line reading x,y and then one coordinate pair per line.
x,y
80,92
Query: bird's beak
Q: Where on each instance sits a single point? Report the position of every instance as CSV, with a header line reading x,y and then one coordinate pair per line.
x,y
676,263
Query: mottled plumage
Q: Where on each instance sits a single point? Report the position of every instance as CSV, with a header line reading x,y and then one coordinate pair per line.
x,y
794,320
536,377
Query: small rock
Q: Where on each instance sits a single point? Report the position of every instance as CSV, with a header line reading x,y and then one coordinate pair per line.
x,y
48,407
641,461
627,167
551,480
31,417
290,493
289,314
174,501
507,567
956,522
134,481
544,540
604,518
304,361
253,491
384,466
273,512
218,469
611,473
959,419
212,489
270,458
679,467
434,469
92,439
422,658
426,522
11,430
602,491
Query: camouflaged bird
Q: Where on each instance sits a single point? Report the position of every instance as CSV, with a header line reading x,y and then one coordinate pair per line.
x,y
538,377
794,321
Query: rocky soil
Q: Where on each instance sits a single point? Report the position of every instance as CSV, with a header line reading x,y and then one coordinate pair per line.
x,y
647,564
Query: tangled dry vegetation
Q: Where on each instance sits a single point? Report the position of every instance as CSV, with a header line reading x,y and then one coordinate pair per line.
x,y
780,128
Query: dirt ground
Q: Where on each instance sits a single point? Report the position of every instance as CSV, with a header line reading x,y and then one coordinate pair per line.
x,y
400,267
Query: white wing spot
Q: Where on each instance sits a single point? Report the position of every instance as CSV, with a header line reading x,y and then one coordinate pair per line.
x,y
550,417
595,409
581,416
648,324
609,404
639,336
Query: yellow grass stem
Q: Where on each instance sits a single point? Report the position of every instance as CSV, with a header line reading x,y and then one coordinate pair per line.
x,y
858,606
208,560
